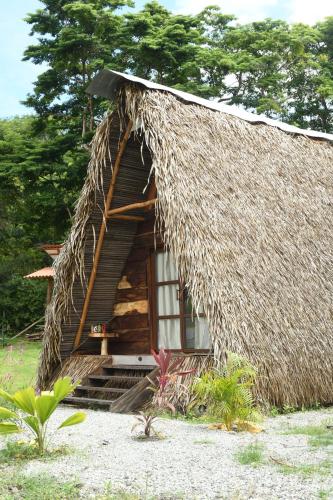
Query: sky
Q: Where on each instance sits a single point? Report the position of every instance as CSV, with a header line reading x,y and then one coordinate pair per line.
x,y
17,77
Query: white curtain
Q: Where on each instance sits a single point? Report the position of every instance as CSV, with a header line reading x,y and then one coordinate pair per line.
x,y
169,334
197,333
166,269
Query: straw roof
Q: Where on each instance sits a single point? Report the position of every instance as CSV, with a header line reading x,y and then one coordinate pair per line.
x,y
247,212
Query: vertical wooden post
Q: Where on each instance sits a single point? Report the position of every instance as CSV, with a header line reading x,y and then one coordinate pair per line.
x,y
49,290
102,230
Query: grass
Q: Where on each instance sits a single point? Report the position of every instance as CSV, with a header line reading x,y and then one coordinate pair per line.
x,y
21,451
251,454
18,364
319,435
324,494
41,487
323,468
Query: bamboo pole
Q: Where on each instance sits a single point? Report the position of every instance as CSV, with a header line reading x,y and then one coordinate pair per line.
x,y
133,206
101,235
136,218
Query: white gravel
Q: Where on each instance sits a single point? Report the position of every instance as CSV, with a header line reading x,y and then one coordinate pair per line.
x,y
192,461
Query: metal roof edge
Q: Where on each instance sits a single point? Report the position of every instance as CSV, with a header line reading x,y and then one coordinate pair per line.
x,y
107,82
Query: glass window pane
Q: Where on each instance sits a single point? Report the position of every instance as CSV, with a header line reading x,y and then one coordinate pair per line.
x,y
169,334
166,269
167,302
197,333
188,307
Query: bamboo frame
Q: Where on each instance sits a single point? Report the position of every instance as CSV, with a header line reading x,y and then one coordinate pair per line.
x,y
133,206
101,235
136,218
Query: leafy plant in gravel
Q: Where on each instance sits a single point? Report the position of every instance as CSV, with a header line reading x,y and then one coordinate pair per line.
x,y
227,392
169,370
33,411
146,421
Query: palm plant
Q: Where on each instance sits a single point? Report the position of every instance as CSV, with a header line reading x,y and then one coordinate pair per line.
x,y
226,392
32,411
146,421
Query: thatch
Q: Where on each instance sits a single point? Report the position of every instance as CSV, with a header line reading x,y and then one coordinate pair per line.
x,y
70,262
78,367
247,213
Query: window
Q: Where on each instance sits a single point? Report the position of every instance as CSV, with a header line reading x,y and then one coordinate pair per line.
x,y
176,326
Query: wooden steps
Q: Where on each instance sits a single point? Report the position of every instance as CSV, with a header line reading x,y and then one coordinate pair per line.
x,y
76,400
110,384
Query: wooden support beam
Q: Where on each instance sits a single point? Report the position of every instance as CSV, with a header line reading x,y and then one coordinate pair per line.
x,y
101,235
133,206
137,218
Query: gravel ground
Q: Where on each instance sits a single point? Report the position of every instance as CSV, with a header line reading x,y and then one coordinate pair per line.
x,y
192,461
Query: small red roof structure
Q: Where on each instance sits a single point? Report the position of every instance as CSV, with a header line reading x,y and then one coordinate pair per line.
x,y
45,273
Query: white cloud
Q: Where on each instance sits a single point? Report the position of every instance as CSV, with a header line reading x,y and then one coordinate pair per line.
x,y
309,12
245,10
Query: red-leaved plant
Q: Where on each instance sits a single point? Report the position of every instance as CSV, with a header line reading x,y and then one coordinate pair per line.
x,y
169,370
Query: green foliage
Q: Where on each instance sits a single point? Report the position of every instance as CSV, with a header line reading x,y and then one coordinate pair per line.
x,y
323,468
227,392
15,451
251,454
18,363
33,411
34,487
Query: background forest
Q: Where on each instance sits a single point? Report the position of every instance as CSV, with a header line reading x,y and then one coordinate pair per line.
x,y
271,67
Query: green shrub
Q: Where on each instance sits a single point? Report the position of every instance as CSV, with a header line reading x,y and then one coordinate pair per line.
x,y
33,411
227,392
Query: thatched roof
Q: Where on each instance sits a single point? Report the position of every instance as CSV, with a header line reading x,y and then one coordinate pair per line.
x,y
248,211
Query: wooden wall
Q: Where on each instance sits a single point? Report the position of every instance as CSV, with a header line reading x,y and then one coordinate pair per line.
x,y
131,309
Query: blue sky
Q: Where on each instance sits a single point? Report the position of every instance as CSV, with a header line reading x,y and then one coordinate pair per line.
x,y
17,77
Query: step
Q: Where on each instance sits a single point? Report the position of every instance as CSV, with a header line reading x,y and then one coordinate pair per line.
x,y
115,378
100,389
87,401
130,367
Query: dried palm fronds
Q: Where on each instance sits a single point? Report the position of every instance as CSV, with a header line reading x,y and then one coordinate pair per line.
x,y
247,215
247,212
70,262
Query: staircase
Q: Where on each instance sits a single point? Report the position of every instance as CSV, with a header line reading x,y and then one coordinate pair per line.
x,y
108,384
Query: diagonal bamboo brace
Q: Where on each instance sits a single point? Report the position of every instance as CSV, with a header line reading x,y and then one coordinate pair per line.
x,y
101,235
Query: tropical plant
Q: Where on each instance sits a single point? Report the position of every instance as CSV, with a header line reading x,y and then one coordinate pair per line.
x,y
168,373
33,411
145,420
226,392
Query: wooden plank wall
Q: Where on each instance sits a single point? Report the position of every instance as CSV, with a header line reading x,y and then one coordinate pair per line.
x,y
131,180
131,310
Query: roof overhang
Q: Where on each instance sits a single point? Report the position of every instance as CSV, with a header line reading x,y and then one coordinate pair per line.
x,y
107,83
41,274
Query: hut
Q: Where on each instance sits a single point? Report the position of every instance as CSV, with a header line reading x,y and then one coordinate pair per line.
x,y
200,228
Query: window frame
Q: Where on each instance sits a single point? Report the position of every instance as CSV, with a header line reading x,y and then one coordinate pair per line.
x,y
154,317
